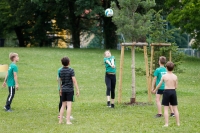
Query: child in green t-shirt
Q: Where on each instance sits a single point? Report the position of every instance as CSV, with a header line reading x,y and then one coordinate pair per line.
x,y
11,80
110,77
159,72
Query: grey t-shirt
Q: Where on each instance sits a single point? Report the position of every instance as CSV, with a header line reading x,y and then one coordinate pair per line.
x,y
66,75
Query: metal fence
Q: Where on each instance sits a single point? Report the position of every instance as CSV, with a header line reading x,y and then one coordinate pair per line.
x,y
190,52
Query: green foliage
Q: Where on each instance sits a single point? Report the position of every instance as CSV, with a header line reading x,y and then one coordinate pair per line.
x,y
158,30
5,17
184,15
160,34
177,57
133,24
96,42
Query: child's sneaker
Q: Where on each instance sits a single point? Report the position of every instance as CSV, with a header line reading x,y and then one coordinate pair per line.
x,y
112,106
172,115
108,104
71,117
8,110
158,115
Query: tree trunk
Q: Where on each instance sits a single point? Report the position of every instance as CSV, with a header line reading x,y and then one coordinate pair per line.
x,y
75,25
76,38
20,37
110,37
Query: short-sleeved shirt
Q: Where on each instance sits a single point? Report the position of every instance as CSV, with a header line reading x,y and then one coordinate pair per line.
x,y
10,79
109,69
66,74
159,72
59,76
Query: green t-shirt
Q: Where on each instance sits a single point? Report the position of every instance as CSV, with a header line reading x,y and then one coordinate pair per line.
x,y
109,69
58,78
159,72
10,79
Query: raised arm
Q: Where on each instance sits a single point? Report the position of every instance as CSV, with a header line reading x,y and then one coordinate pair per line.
x,y
16,80
76,85
109,63
113,62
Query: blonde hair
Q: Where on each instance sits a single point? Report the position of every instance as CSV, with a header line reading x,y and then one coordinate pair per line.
x,y
106,51
12,56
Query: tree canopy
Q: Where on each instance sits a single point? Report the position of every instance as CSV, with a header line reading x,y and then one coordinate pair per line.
x,y
133,18
185,15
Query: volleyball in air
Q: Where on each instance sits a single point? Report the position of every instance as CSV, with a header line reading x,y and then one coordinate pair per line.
x,y
109,12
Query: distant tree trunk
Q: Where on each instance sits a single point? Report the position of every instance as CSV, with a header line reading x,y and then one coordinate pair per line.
x,y
109,28
110,37
76,38
20,37
75,23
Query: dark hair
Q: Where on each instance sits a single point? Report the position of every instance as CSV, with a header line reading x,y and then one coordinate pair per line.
x,y
170,66
162,59
65,61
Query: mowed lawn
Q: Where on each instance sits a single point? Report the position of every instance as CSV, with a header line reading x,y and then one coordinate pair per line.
x,y
35,106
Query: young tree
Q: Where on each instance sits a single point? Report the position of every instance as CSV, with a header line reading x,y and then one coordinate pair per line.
x,y
133,18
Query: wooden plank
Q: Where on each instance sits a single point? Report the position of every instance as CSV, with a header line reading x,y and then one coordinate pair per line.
x,y
151,66
161,44
121,75
170,55
135,44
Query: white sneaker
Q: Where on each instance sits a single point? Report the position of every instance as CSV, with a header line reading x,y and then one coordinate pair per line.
x,y
71,117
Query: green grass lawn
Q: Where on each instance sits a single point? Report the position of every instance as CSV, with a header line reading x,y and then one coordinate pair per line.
x,y
35,106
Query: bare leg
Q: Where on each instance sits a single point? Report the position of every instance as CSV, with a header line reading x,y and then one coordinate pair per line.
x,y
175,108
69,108
166,115
171,108
159,106
112,101
108,98
64,104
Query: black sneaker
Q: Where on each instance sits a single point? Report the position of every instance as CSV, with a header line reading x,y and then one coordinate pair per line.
x,y
112,106
158,115
108,104
8,110
172,115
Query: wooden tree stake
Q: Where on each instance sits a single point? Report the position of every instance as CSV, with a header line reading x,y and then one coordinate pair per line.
x,y
132,99
147,72
120,75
